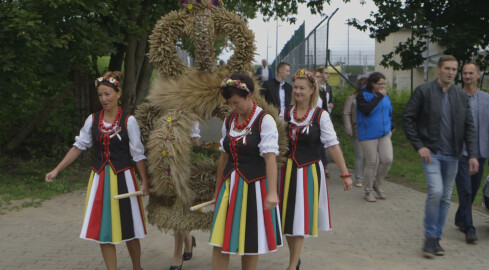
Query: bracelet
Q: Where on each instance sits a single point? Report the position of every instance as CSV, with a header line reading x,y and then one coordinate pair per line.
x,y
345,175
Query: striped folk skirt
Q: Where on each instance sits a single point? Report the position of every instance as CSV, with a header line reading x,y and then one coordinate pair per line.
x,y
241,225
111,221
304,199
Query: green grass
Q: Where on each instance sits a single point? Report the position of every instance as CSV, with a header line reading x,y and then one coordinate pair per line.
x,y
22,182
406,168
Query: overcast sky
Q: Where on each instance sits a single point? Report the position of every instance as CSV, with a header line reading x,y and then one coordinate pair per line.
x,y
338,36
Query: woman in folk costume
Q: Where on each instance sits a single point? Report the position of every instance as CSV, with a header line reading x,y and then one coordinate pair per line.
x,y
303,190
116,137
246,216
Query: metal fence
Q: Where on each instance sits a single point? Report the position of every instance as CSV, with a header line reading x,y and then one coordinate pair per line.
x,y
312,53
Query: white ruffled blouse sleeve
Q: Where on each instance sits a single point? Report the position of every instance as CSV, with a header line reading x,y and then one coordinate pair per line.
x,y
195,132
84,140
223,132
328,135
135,145
269,136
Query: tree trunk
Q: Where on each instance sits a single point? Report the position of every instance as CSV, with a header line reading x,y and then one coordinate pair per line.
x,y
117,59
134,66
82,92
38,120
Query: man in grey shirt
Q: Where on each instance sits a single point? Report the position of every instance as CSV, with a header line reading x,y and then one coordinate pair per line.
x,y
438,121
467,185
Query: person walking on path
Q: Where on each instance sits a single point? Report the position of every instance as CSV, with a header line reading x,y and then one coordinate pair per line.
x,y
116,136
246,216
467,185
351,130
375,126
264,72
437,121
277,91
304,199
325,100
182,239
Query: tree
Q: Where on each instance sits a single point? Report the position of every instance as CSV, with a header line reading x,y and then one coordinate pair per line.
x,y
461,26
50,50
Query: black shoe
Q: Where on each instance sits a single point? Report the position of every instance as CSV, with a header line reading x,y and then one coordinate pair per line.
x,y
298,264
429,247
188,255
471,237
439,251
179,267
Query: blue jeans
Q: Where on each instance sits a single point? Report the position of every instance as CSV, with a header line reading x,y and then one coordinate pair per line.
x,y
467,187
440,175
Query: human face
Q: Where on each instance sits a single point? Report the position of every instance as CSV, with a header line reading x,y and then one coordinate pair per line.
x,y
379,85
325,75
302,91
240,105
319,77
470,74
447,72
284,72
108,97
264,63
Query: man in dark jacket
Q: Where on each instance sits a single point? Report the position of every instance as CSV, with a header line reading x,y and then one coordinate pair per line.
x,y
277,91
438,121
468,185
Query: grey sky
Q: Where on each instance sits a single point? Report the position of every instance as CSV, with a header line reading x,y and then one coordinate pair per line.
x,y
338,35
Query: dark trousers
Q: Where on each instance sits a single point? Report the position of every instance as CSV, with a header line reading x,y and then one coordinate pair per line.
x,y
467,187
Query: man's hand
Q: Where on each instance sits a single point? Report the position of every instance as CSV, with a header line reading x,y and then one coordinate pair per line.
x,y
473,166
424,152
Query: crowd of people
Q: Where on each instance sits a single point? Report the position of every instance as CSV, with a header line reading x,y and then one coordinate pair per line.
x,y
256,201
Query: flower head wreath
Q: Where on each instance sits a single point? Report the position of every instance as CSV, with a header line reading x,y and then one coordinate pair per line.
x,y
236,83
108,79
304,74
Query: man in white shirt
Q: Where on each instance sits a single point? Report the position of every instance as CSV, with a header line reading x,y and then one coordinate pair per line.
x,y
277,91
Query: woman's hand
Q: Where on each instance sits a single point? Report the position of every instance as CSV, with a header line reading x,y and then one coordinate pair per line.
x,y
347,183
271,201
50,175
145,188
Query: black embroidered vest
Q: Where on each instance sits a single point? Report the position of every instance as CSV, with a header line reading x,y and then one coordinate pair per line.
x,y
244,154
113,150
305,141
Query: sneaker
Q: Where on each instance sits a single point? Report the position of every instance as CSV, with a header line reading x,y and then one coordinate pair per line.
x,y
358,184
439,251
429,247
470,237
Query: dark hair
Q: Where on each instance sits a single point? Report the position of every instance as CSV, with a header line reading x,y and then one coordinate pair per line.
x,y
319,69
361,82
475,65
229,91
281,64
374,78
446,58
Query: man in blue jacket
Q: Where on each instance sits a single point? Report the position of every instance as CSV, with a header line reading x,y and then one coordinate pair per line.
x,y
264,73
467,185
438,121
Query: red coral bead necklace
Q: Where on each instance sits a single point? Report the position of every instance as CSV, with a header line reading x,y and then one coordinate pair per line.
x,y
297,119
247,121
114,123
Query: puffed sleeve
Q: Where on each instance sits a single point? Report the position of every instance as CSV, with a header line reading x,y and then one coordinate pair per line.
x,y
223,132
269,136
84,139
135,145
195,132
328,135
